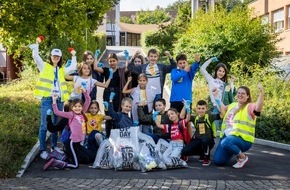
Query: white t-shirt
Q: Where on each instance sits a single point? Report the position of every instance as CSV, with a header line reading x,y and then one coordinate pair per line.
x,y
78,81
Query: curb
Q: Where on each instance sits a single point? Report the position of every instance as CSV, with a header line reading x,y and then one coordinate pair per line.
x,y
30,157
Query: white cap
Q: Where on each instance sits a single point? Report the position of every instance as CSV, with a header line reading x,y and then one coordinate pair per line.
x,y
56,52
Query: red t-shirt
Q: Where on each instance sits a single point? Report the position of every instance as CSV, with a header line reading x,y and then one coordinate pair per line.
x,y
175,133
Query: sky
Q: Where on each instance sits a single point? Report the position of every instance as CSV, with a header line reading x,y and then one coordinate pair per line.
x,y
137,5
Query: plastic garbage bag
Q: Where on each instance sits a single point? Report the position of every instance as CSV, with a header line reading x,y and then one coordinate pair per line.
x,y
104,157
126,148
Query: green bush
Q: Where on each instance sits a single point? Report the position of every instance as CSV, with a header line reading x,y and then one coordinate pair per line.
x,y
101,40
19,122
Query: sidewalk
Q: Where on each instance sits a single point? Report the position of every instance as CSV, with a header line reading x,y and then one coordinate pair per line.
x,y
268,168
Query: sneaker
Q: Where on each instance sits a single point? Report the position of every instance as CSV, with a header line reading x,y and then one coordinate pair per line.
x,y
206,162
241,162
43,155
57,149
54,163
201,158
57,155
184,158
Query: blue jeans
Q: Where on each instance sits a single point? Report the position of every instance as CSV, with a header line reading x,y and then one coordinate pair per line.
x,y
46,103
229,146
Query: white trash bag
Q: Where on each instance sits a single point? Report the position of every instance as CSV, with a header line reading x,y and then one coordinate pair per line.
x,y
104,157
126,148
164,150
148,157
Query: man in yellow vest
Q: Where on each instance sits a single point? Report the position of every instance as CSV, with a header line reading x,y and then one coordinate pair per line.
x,y
238,128
51,81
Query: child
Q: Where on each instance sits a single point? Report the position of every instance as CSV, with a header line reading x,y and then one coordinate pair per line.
x,y
137,59
142,93
116,85
94,126
149,119
122,119
75,152
203,139
51,81
220,81
86,81
181,78
155,72
178,131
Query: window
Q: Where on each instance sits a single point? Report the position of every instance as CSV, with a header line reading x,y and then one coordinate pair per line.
x,y
278,21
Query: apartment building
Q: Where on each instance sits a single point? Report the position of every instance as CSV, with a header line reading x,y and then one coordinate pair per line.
x,y
276,13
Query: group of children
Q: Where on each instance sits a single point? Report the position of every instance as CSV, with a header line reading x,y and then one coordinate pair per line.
x,y
126,103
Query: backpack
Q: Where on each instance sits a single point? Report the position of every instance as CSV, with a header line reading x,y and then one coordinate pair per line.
x,y
203,128
65,134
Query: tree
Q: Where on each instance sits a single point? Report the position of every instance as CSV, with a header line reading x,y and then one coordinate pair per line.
x,y
152,17
62,22
126,19
166,36
230,36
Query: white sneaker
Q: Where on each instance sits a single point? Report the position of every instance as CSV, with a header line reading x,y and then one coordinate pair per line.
x,y
241,162
43,155
57,149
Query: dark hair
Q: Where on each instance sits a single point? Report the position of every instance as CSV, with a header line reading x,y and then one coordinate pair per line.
x,y
153,51
225,77
96,103
249,100
161,100
81,66
59,64
181,57
201,103
142,75
76,101
66,106
140,57
112,55
86,54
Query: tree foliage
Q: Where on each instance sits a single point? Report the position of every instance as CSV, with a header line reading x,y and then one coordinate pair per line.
x,y
62,22
126,19
166,36
152,17
229,36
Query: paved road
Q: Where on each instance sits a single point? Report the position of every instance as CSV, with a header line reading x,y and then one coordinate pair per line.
x,y
268,168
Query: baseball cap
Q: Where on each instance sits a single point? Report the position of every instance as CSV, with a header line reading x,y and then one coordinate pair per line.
x,y
56,52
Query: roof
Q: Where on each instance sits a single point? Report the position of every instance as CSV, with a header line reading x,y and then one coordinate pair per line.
x,y
139,28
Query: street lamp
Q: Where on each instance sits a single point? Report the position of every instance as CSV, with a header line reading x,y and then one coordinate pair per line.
x,y
87,13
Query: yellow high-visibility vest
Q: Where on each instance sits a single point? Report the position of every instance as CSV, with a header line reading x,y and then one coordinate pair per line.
x,y
243,126
45,83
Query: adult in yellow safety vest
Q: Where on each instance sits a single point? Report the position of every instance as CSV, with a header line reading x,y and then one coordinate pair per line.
x,y
51,81
238,128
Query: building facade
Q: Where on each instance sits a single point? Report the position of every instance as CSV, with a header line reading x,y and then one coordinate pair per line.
x,y
276,13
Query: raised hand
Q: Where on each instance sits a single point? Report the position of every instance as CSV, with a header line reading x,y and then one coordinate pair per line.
x,y
106,105
112,95
97,52
214,59
154,115
126,54
197,57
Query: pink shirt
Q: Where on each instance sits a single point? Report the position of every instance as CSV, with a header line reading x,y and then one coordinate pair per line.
x,y
229,120
75,120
